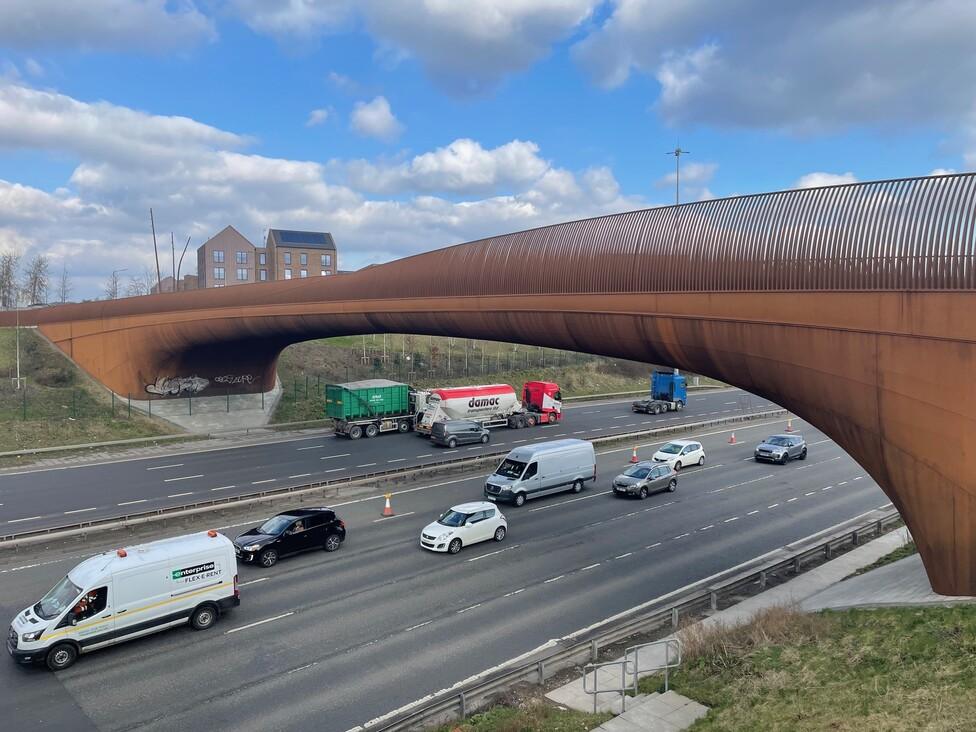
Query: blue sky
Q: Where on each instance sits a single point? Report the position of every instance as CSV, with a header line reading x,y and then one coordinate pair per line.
x,y
407,125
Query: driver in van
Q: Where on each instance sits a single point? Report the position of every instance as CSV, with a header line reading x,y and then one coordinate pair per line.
x,y
80,610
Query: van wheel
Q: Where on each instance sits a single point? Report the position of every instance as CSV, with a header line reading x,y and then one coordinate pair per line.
x,y
203,617
372,430
672,485
268,558
519,499
499,533
577,486
355,432
484,439
61,656
452,443
454,547
332,542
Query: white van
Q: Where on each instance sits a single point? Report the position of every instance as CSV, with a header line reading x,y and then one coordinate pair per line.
x,y
120,595
541,469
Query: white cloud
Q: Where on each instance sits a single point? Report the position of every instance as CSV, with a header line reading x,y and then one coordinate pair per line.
x,y
467,47
691,173
807,68
34,68
818,179
463,166
317,117
375,119
343,83
153,26
943,171
197,183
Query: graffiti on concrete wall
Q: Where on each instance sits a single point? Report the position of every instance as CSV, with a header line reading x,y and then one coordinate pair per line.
x,y
229,379
176,385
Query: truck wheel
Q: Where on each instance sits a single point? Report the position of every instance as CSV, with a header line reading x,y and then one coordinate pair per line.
x,y
61,656
355,432
577,486
452,443
519,499
679,405
372,430
203,617
403,426
657,409
530,420
552,418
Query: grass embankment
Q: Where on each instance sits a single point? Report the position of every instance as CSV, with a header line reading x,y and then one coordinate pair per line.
x,y
424,362
62,406
906,550
531,718
891,669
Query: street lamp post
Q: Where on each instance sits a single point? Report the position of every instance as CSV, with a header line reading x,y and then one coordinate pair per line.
x,y
677,152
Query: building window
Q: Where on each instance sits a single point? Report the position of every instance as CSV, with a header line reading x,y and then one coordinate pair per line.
x,y
242,274
326,260
262,258
288,258
263,275
287,274
303,273
304,258
218,272
218,256
242,257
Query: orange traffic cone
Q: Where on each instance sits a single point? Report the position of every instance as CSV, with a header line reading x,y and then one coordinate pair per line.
x,y
633,457
387,509
732,439
789,424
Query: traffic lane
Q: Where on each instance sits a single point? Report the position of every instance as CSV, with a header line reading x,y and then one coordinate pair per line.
x,y
164,483
305,673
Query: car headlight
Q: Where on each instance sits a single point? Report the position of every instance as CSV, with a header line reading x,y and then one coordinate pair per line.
x,y
31,637
252,547
444,536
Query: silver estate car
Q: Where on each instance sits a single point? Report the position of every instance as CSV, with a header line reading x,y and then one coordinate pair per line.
x,y
781,449
645,478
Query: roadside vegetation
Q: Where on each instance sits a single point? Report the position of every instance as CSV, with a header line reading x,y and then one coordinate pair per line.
x,y
534,717
906,550
424,362
57,403
892,669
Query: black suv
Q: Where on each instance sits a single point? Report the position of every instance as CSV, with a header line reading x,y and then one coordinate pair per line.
x,y
291,532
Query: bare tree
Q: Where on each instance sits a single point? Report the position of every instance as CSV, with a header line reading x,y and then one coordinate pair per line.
x,y
141,284
112,288
9,266
36,280
64,285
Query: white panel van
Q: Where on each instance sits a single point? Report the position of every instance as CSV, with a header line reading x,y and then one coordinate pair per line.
x,y
120,595
541,469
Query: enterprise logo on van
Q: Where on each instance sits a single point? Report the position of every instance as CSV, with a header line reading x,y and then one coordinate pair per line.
x,y
194,573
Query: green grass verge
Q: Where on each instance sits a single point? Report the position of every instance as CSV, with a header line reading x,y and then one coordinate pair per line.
x,y
906,550
60,404
532,718
891,669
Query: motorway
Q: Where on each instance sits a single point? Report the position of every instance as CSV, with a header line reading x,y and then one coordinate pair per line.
x,y
41,499
330,641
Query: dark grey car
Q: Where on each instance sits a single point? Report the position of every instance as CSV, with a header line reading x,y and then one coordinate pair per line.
x,y
781,449
645,478
456,432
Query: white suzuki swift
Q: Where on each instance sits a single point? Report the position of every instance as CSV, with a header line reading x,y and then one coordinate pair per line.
x,y
462,525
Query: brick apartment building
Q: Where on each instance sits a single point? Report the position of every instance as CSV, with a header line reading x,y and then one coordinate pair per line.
x,y
228,258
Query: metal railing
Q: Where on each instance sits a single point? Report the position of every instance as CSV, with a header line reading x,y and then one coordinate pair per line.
x,y
622,689
573,651
669,663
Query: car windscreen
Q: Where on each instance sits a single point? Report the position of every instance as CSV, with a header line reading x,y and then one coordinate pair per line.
x,y
672,448
57,600
275,525
637,471
510,469
778,441
453,518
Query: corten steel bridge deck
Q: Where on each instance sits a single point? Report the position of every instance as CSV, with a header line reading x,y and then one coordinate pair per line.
x,y
852,306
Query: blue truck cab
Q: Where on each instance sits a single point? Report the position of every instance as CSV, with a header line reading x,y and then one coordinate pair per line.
x,y
669,387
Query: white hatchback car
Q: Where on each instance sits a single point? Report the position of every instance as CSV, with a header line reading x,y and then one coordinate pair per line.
x,y
462,525
681,453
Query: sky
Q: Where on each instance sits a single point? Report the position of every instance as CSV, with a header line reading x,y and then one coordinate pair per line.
x,y
402,126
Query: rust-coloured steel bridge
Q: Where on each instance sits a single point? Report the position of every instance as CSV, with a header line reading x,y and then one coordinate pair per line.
x,y
852,306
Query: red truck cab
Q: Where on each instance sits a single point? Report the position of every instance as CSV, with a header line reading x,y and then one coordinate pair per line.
x,y
543,397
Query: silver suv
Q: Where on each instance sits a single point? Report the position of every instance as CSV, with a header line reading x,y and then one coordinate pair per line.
x,y
781,449
645,478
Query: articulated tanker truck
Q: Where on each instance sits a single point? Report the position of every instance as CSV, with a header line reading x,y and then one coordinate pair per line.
x,y
494,405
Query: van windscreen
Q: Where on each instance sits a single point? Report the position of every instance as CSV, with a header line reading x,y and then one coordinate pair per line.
x,y
57,600
511,469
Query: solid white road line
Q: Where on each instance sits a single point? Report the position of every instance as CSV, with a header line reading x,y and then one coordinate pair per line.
x,y
681,536
421,456
515,592
752,513
223,487
622,556
706,528
468,608
554,579
491,554
773,506
180,495
397,460
366,465
335,470
254,582
653,545
17,521
185,477
163,467
81,510
299,475
310,447
419,625
333,457
591,566
129,503
390,518
729,520
266,480
260,622
790,500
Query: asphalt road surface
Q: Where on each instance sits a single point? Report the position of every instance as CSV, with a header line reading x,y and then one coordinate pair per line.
x,y
330,641
39,499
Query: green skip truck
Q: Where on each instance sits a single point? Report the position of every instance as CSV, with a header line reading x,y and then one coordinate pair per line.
x,y
366,408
